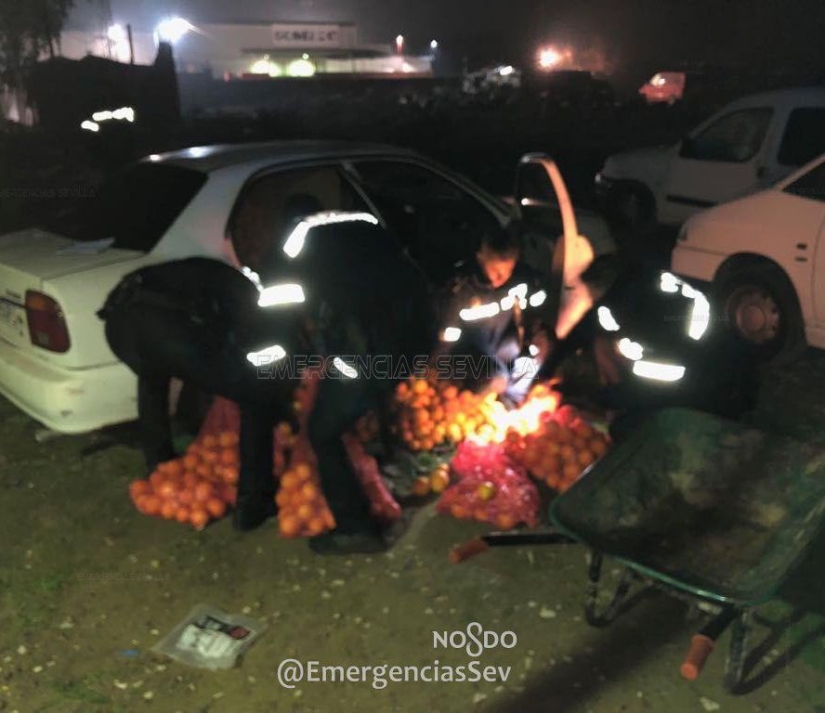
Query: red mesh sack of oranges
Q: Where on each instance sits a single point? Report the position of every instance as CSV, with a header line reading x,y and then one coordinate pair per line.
x,y
491,488
199,487
302,508
560,450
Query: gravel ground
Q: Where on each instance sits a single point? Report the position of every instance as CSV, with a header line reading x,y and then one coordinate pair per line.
x,y
88,586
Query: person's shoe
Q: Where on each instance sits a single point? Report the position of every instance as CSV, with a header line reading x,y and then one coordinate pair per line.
x,y
367,542
251,515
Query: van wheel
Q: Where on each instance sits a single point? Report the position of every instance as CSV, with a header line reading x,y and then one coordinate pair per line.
x,y
759,305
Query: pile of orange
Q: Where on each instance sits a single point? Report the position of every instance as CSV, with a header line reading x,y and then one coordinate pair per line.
x,y
432,412
562,448
302,508
194,489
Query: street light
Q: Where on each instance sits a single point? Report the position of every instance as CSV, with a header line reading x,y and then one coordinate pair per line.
x,y
172,29
549,57
399,44
434,45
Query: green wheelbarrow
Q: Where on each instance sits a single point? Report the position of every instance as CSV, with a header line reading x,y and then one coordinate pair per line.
x,y
711,511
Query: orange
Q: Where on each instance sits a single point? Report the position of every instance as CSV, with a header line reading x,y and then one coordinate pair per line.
x,y
305,512
190,461
140,504
168,510
211,456
174,467
579,444
505,522
138,488
186,497
567,454
282,499
227,439
316,526
309,492
199,518
230,474
288,525
598,446
229,456
203,492
420,386
439,480
450,393
182,514
460,512
190,479
216,508
564,435
486,492
152,505
329,520
157,478
204,471
480,514
166,490
571,472
586,457
209,442
421,487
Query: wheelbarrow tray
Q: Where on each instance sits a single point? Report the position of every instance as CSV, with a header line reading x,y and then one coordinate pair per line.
x,y
708,506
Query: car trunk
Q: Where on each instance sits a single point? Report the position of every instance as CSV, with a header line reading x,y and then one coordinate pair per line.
x,y
35,261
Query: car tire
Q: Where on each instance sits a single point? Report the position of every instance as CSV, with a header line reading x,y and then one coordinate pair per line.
x,y
760,307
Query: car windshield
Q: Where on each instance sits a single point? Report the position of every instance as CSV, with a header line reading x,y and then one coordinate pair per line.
x,y
135,207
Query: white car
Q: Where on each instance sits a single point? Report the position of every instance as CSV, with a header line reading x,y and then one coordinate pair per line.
x,y
748,145
765,257
224,202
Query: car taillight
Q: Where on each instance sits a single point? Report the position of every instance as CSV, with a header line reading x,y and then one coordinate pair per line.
x,y
47,327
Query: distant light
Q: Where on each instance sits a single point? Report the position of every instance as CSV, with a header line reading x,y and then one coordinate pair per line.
x,y
267,356
506,71
154,157
304,56
260,67
300,68
345,368
658,372
173,29
658,81
198,152
434,45
451,334
549,57
90,126
606,319
399,43
631,350
279,295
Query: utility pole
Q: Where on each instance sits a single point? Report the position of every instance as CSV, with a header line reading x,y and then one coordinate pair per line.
x,y
131,44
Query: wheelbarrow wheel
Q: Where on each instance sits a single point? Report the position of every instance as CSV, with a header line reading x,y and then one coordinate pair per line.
x,y
592,613
735,665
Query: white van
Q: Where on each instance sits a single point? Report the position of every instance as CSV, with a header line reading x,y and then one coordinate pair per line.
x,y
749,145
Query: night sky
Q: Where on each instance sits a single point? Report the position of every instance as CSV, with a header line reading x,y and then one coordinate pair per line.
x,y
630,32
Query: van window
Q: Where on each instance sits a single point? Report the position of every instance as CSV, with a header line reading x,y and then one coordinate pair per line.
x,y
804,137
811,185
732,138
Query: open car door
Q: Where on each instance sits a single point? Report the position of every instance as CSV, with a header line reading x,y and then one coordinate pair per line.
x,y
553,244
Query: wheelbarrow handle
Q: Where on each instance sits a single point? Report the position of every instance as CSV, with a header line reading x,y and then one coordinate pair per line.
x,y
466,550
702,644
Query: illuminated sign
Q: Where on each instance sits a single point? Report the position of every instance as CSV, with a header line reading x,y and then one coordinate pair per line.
x,y
306,36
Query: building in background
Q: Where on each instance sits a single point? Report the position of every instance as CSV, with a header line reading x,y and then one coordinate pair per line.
x,y
242,51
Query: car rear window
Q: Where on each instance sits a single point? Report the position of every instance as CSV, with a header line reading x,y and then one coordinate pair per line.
x,y
135,207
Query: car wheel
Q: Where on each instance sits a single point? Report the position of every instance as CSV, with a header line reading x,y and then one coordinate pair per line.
x,y
760,307
635,208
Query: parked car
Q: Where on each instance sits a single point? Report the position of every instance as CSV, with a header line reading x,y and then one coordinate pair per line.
x,y
224,202
664,88
747,146
765,258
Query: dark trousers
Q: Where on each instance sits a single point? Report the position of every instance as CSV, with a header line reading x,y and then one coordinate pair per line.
x,y
160,344
340,402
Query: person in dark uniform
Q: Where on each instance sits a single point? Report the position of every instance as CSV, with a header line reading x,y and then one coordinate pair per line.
x,y
491,311
196,320
364,300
